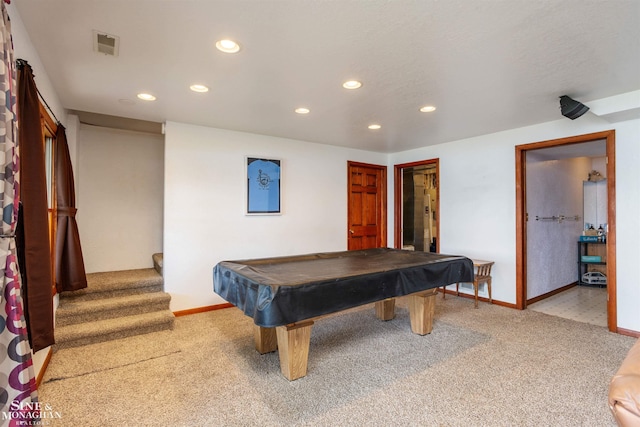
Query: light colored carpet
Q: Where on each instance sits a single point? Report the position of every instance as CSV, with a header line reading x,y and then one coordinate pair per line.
x,y
492,366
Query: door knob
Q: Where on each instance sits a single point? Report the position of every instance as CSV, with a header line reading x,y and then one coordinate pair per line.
x,y
351,231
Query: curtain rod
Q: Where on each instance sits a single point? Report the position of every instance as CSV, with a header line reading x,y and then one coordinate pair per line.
x,y
48,108
558,218
21,63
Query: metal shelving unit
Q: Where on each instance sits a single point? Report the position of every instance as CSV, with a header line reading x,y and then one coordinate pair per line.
x,y
583,266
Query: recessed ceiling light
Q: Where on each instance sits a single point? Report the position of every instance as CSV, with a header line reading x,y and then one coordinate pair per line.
x,y
427,108
146,97
374,126
352,84
199,88
227,46
302,110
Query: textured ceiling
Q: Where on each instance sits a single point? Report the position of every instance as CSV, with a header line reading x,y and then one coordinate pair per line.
x,y
486,65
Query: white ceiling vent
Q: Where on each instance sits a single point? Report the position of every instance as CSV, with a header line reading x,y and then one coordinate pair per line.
x,y
105,43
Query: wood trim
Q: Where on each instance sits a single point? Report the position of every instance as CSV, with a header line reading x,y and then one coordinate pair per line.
x,y
383,208
552,293
612,287
49,129
520,150
497,302
521,233
47,121
397,199
628,332
578,139
45,365
483,299
202,309
397,207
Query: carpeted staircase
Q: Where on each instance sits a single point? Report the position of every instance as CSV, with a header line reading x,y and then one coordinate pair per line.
x,y
114,305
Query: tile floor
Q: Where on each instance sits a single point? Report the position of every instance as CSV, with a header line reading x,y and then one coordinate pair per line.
x,y
581,303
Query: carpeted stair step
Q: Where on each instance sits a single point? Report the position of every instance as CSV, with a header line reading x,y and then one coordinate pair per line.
x,y
117,284
111,329
73,311
115,304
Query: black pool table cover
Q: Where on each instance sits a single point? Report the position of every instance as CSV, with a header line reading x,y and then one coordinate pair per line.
x,y
284,290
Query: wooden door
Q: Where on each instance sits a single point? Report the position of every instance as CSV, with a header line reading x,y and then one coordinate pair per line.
x,y
367,208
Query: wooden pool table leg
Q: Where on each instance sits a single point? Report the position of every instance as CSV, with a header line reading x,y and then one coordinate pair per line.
x,y
293,348
421,310
265,339
386,309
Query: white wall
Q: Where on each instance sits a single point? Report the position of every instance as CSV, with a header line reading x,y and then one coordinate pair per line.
x,y
120,198
72,132
477,203
24,49
477,177
628,223
204,204
554,187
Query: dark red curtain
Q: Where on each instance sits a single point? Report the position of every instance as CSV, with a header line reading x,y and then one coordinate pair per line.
x,y
36,265
69,264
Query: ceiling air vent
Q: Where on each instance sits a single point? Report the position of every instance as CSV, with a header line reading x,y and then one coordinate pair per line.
x,y
106,43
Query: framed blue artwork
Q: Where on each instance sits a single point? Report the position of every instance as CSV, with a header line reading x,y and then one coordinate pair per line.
x,y
263,186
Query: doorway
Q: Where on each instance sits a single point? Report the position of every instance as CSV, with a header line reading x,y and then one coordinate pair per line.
x,y
367,207
417,203
522,216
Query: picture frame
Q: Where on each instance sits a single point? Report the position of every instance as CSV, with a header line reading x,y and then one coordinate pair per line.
x,y
263,186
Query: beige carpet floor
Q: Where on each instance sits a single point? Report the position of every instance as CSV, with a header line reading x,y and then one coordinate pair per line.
x,y
492,366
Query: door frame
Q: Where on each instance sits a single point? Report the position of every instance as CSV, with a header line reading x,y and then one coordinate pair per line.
x,y
521,213
382,206
397,199
49,130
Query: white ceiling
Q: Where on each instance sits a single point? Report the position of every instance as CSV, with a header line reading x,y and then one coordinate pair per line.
x,y
486,65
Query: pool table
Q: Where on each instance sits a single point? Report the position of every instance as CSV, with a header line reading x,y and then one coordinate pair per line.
x,y
285,295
